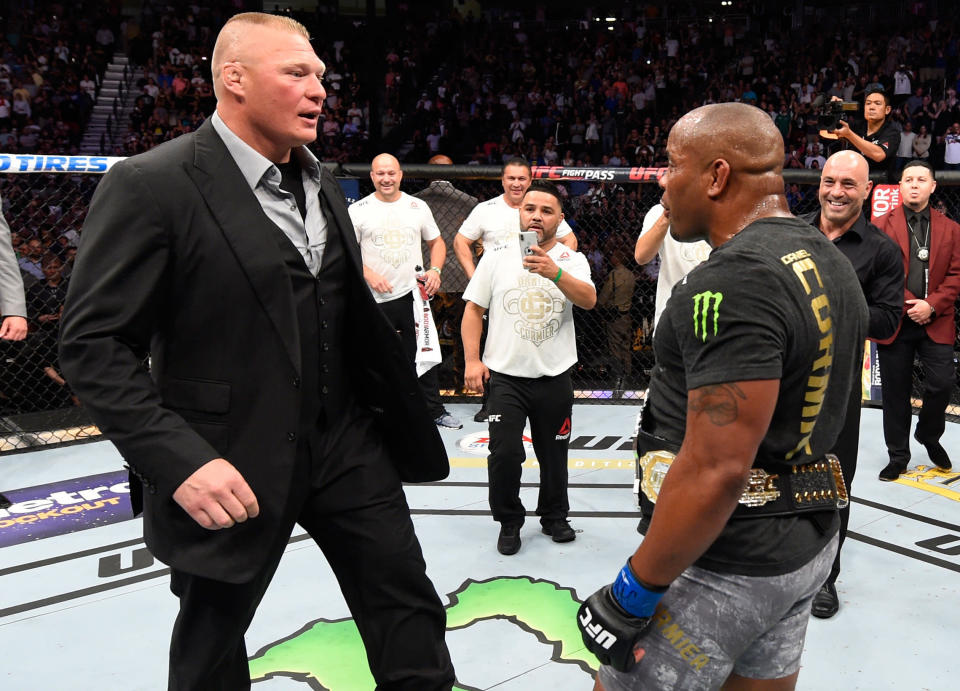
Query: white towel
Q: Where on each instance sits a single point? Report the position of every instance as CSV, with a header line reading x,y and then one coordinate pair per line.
x,y
428,348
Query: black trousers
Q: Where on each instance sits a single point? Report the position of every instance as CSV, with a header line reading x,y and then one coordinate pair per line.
x,y
548,403
349,498
846,450
400,315
896,378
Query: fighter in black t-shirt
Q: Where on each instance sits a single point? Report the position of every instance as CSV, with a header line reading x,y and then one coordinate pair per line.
x,y
756,353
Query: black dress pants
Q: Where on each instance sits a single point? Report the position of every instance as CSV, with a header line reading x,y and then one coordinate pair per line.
x,y
399,313
846,449
896,378
349,498
548,402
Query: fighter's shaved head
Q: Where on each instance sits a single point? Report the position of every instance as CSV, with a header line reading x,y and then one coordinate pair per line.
x,y
440,160
726,164
743,135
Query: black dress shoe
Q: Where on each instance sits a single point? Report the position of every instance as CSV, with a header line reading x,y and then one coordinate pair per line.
x,y
825,602
559,530
937,454
509,541
892,471
481,415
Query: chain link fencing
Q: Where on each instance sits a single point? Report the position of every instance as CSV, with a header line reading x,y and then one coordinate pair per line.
x,y
604,206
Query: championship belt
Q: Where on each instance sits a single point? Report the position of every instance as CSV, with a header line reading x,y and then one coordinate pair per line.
x,y
816,486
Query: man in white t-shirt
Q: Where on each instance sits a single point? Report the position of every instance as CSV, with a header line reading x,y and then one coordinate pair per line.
x,y
390,225
677,258
531,347
497,222
951,147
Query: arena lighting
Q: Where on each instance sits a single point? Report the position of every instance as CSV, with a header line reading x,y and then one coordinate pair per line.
x,y
611,19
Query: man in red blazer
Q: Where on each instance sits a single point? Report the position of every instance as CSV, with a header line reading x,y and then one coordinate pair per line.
x,y
930,243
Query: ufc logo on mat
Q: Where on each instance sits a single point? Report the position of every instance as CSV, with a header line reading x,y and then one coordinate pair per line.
x,y
603,638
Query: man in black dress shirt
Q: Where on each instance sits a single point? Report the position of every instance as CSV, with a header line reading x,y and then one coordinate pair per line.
x,y
844,186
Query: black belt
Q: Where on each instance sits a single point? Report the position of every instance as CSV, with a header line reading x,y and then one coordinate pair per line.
x,y
781,490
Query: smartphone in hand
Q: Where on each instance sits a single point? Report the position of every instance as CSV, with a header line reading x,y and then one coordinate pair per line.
x,y
528,239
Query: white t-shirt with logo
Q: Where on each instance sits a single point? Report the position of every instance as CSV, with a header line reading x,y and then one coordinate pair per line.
x,y
497,223
951,152
531,330
389,234
677,259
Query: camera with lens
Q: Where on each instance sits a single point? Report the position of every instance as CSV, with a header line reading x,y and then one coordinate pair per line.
x,y
831,113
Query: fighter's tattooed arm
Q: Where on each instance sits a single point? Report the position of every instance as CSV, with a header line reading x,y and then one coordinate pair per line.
x,y
718,402
705,480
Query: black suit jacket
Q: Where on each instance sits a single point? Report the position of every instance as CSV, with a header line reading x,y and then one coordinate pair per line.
x,y
178,259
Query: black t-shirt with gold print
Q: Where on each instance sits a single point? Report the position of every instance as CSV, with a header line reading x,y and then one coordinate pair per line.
x,y
777,301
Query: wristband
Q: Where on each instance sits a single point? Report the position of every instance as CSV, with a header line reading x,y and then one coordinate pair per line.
x,y
636,598
559,274
437,269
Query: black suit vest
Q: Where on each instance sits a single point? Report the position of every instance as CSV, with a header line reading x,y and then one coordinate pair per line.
x,y
320,303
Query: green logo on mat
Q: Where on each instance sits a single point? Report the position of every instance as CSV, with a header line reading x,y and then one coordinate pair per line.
x,y
330,655
706,304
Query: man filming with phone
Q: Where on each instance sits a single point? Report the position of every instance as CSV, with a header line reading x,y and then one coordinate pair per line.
x,y
530,348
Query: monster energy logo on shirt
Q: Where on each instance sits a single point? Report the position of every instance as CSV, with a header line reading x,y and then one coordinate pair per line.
x,y
705,304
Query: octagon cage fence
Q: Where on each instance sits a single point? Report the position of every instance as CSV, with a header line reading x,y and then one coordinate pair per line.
x,y
47,197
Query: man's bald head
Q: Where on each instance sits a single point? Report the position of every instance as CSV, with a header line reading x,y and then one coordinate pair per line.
x,y
726,161
440,160
386,176
743,135
850,163
234,45
385,160
844,187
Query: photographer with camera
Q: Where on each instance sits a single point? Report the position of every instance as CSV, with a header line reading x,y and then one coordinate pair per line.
x,y
877,138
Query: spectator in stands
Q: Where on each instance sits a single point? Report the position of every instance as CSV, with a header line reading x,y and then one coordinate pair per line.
x,y
615,301
921,144
30,261
951,150
45,299
905,150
